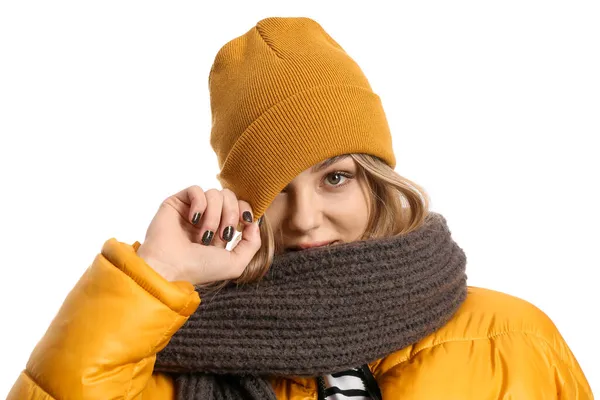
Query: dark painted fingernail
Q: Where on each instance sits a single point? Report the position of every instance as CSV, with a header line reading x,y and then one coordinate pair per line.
x,y
196,218
228,233
260,221
207,237
247,216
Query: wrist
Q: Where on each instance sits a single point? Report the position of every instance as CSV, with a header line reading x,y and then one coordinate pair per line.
x,y
164,270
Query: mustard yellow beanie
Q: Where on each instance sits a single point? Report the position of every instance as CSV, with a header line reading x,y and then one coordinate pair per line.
x,y
285,96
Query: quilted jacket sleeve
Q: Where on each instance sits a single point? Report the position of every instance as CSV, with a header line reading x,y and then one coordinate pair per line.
x,y
498,347
103,341
511,366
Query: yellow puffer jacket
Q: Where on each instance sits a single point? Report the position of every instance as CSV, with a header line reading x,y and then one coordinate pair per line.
x,y
103,341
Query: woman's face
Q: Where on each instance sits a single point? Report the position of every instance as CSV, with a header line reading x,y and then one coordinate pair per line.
x,y
323,204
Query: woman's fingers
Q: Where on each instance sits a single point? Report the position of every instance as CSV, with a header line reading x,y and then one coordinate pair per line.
x,y
245,249
198,203
188,236
229,219
189,203
245,218
235,213
210,220
246,215
215,215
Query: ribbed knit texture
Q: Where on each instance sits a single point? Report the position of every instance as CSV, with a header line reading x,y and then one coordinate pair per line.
x,y
319,311
285,96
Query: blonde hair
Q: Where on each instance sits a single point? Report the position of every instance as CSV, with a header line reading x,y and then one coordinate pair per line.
x,y
397,206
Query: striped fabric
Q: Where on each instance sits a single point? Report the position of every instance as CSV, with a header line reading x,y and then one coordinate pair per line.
x,y
346,385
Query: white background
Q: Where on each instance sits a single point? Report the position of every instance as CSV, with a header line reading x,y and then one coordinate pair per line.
x,y
494,108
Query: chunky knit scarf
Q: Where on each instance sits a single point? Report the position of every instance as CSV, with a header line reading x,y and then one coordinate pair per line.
x,y
319,311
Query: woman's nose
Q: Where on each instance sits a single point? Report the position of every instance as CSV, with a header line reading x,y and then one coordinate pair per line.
x,y
304,214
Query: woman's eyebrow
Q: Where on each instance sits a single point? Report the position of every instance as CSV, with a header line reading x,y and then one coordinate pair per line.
x,y
327,163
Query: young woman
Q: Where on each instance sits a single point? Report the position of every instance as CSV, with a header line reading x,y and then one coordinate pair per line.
x,y
343,285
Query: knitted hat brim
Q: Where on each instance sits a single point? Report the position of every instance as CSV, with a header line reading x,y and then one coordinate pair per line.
x,y
300,131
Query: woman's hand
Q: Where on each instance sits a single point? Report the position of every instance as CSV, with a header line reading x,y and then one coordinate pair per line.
x,y
174,245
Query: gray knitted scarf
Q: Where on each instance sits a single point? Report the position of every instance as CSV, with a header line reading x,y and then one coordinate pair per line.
x,y
318,311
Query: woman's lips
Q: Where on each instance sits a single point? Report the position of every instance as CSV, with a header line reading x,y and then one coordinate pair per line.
x,y
303,246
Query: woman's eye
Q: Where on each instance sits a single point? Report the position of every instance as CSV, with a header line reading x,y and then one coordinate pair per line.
x,y
336,178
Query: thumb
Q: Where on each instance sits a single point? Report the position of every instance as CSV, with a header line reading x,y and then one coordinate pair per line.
x,y
246,246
